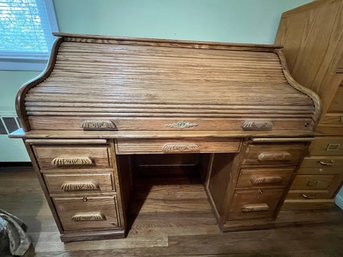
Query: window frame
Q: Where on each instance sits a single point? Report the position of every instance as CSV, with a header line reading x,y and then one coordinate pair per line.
x,y
15,61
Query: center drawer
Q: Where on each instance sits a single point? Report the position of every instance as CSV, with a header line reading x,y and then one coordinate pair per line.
x,y
196,145
72,156
88,212
73,183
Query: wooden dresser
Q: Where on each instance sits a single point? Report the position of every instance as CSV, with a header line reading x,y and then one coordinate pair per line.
x,y
312,36
105,104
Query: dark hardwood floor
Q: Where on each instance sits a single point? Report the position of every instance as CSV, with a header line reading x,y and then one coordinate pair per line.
x,y
172,217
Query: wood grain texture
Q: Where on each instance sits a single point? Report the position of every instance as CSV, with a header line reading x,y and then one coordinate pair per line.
x,y
95,77
314,30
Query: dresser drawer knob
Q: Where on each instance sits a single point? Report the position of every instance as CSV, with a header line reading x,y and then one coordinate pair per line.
x,y
88,216
260,191
79,186
84,199
255,207
274,156
308,196
71,161
266,180
329,163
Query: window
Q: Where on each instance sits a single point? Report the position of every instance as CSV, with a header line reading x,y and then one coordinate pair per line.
x,y
26,28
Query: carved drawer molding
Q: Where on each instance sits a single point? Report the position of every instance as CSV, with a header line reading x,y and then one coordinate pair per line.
x,y
70,161
98,125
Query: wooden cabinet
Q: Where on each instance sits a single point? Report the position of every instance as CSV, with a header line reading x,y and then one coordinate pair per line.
x,y
107,108
313,46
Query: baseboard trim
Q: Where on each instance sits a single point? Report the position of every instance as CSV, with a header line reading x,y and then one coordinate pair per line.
x,y
15,164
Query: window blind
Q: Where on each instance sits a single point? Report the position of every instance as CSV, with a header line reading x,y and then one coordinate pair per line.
x,y
25,29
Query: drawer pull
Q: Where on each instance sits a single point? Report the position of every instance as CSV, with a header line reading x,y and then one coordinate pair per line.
x,y
308,196
253,125
329,163
182,125
312,183
98,125
175,148
88,216
71,161
276,156
266,180
255,207
79,186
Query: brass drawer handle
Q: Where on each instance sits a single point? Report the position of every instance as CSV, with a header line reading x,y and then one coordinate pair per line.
x,y
176,148
329,163
88,216
266,180
308,196
274,156
98,125
79,186
255,207
256,125
71,161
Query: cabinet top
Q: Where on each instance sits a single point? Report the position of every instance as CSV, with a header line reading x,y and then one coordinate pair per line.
x,y
94,76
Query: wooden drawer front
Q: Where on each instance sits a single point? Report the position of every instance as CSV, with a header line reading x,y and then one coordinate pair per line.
x,y
166,146
268,177
337,102
169,124
251,204
334,162
332,120
327,146
73,183
310,182
269,154
59,157
309,194
83,213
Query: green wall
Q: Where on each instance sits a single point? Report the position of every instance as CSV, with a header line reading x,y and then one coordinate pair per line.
x,y
245,21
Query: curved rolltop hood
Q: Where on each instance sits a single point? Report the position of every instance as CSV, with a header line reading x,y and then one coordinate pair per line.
x,y
132,84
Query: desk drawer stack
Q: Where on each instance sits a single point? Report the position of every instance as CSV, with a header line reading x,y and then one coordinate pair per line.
x,y
81,180
266,173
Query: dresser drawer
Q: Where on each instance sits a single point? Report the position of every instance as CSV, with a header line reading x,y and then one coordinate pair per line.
x,y
73,183
310,182
327,162
337,102
327,146
255,204
72,156
271,154
88,212
127,146
267,177
309,194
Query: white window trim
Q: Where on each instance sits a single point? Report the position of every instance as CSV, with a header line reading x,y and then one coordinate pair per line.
x,y
30,62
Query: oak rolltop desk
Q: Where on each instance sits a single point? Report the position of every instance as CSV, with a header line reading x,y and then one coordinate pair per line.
x,y
102,101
